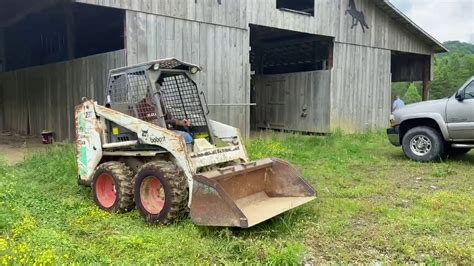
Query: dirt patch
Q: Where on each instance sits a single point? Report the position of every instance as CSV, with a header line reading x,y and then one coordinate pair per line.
x,y
14,148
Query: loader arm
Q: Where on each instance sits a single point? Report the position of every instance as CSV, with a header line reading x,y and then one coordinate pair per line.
x,y
152,135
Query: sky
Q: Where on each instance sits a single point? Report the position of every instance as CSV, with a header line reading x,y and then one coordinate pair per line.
x,y
446,20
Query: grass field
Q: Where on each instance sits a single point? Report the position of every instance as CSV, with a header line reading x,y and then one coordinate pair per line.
x,y
373,206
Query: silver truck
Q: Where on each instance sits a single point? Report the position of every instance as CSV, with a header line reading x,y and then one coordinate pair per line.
x,y
432,130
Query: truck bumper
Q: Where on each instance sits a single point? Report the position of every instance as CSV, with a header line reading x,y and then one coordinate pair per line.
x,y
393,135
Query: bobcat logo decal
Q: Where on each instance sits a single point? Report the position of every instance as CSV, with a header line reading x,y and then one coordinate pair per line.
x,y
357,16
145,133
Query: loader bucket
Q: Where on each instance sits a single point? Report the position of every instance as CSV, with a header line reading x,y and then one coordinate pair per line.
x,y
247,194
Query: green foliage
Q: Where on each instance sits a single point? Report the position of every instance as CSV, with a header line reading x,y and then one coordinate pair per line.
x,y
412,95
452,70
459,47
373,206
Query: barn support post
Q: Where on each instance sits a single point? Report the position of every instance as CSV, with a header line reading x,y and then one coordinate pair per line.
x,y
426,76
330,62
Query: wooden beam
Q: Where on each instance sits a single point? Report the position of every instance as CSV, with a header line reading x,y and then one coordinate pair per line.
x,y
426,73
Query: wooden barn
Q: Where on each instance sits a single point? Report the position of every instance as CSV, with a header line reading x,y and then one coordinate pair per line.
x,y
308,65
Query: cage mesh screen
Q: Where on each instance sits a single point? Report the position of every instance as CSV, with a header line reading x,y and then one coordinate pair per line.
x,y
130,92
181,99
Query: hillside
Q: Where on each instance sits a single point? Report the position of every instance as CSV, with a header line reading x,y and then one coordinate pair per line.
x,y
458,47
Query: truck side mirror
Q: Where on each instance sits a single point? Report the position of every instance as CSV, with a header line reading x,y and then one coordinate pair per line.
x,y
460,96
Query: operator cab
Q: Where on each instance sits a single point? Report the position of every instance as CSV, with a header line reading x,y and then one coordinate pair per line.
x,y
158,92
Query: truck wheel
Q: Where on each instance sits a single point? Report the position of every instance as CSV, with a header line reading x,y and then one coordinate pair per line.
x,y
423,144
161,192
112,187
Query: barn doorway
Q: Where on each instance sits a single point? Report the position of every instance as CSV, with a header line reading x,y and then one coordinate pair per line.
x,y
290,80
34,33
409,68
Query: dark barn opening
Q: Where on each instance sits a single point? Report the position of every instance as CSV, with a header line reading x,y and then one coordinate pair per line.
x,y
408,67
300,6
276,51
40,82
59,31
290,79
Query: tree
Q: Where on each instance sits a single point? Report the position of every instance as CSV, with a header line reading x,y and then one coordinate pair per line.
x,y
412,95
452,69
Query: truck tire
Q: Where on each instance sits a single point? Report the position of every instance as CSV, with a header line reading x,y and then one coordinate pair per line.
x,y
112,187
423,144
161,192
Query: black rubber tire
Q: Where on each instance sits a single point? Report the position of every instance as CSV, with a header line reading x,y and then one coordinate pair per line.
x,y
123,181
437,150
175,186
456,152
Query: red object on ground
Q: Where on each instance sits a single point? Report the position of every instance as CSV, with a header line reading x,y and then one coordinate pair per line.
x,y
47,137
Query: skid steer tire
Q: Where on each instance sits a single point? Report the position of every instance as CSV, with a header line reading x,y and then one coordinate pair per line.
x,y
161,192
112,187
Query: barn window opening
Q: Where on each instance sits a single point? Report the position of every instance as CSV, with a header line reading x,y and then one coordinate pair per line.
x,y
305,7
38,33
275,51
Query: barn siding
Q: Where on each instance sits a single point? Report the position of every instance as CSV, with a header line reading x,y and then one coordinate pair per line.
x,y
217,38
330,20
223,52
360,88
46,95
230,13
282,98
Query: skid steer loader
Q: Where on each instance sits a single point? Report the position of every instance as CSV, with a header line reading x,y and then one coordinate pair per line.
x,y
130,155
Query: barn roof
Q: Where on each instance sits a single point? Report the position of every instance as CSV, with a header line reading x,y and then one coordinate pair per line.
x,y
406,22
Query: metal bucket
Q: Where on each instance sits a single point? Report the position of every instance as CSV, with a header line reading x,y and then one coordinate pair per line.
x,y
247,194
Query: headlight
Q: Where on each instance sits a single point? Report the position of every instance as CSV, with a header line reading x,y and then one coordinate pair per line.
x,y
156,67
392,121
194,70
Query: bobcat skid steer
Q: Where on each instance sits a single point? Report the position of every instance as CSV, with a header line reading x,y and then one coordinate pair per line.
x,y
129,155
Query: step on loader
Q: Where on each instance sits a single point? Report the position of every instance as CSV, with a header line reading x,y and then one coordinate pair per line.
x,y
152,146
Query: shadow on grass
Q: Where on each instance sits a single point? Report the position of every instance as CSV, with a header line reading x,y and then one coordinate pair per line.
x,y
465,159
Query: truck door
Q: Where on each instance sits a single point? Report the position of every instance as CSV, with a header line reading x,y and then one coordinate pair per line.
x,y
460,114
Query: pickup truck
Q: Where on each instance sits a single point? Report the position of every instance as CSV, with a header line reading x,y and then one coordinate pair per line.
x,y
433,130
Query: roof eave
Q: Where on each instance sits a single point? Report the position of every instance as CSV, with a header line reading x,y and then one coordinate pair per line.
x,y
398,16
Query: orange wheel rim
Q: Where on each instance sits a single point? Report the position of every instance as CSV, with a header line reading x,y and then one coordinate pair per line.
x,y
105,190
152,195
